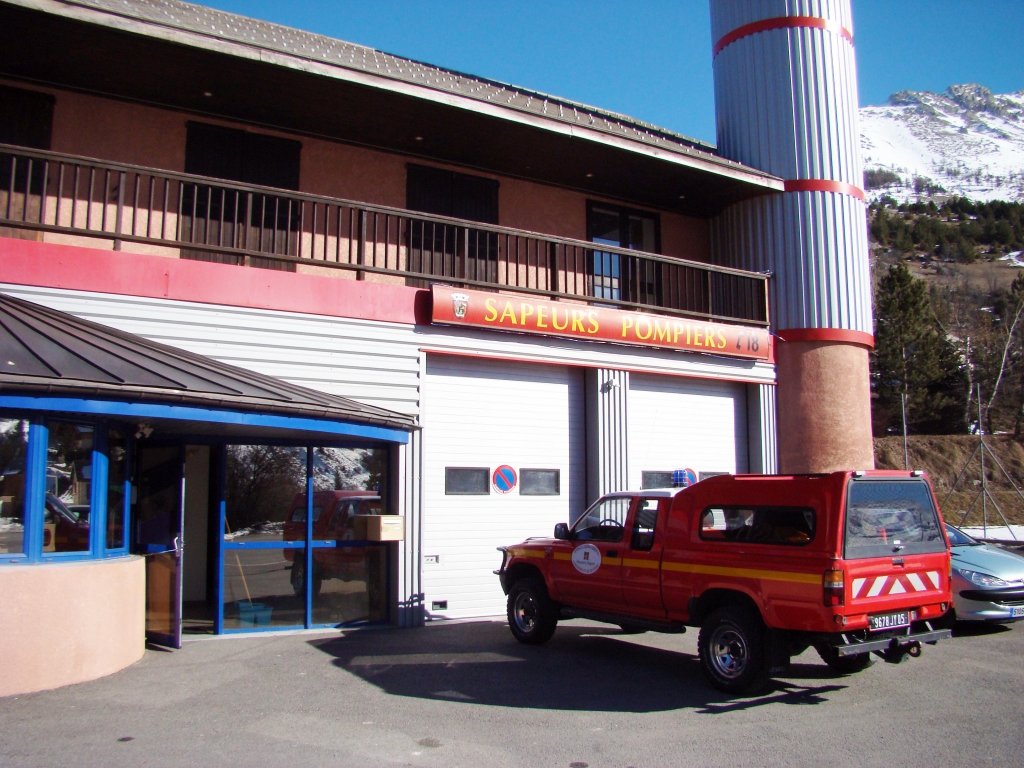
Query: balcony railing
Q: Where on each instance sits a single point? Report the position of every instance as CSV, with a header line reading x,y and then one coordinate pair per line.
x,y
214,220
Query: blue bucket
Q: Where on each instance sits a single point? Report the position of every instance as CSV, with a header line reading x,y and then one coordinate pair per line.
x,y
253,614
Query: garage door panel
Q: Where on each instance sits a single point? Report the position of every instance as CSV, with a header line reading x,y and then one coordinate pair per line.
x,y
482,413
676,423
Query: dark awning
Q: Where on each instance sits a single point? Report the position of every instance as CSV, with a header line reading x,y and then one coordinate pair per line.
x,y
46,353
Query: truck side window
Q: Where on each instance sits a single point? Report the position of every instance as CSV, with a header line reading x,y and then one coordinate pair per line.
x,y
758,525
604,521
644,524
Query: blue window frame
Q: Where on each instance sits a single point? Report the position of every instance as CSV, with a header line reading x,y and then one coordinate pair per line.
x,y
65,496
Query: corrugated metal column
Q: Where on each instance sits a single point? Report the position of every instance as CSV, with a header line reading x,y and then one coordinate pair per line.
x,y
607,394
786,102
761,435
409,571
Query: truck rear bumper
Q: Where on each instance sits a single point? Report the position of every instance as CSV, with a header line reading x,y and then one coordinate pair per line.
x,y
894,644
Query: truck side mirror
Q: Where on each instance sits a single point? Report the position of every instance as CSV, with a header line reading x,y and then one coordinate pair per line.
x,y
562,531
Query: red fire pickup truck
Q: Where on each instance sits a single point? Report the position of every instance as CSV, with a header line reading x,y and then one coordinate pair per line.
x,y
767,566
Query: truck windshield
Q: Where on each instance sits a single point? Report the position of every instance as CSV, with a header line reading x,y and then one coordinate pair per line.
x,y
890,517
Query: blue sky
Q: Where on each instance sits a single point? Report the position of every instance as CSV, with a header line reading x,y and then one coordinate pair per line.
x,y
651,59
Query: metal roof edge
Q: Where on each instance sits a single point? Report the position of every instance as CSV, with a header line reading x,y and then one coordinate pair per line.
x,y
673,147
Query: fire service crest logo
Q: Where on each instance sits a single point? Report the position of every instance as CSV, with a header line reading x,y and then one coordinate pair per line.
x,y
460,304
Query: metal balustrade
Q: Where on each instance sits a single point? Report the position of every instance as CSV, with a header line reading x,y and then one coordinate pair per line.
x,y
214,220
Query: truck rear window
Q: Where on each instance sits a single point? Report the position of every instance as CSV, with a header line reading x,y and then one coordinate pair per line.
x,y
759,525
889,517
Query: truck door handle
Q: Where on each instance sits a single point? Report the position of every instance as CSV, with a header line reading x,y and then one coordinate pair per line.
x,y
613,553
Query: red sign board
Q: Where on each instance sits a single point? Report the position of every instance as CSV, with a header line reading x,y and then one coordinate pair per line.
x,y
478,309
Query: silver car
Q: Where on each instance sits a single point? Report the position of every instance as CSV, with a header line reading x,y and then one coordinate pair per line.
x,y
988,582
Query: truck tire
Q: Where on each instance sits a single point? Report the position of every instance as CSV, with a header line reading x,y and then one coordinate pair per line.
x,y
731,649
298,578
532,616
844,665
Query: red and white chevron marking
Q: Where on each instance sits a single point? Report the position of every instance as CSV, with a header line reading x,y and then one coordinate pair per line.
x,y
896,584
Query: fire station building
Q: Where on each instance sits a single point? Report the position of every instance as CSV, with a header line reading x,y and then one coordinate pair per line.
x,y
294,333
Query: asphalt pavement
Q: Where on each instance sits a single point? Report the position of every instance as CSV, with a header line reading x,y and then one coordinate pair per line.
x,y
467,694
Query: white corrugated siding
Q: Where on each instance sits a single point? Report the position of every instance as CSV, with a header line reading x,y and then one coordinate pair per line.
x,y
685,423
480,413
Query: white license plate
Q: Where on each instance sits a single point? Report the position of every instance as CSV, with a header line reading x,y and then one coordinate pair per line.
x,y
888,621
1017,611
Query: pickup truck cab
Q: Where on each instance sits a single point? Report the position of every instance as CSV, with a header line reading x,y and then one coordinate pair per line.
x,y
766,565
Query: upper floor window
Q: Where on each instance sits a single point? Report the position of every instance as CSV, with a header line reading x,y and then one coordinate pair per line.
x,y
236,155
219,216
26,117
614,276
446,250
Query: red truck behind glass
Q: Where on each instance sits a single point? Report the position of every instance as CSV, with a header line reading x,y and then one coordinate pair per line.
x,y
333,513
766,566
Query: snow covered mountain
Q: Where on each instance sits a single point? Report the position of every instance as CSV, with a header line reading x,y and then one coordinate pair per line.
x,y
966,141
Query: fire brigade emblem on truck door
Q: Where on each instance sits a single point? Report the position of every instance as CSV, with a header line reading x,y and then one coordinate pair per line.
x,y
460,303
586,558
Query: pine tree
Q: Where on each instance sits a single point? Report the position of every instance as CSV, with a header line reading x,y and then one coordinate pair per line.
x,y
912,358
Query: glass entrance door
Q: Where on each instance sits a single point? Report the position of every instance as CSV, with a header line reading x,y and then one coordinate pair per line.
x,y
159,520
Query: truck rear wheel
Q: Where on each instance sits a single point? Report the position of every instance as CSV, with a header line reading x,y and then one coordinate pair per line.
x,y
532,616
731,648
844,665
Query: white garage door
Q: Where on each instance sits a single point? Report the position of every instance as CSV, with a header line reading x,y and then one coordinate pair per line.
x,y
482,414
677,423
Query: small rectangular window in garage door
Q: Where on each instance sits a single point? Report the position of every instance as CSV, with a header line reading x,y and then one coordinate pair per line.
x,y
466,481
539,482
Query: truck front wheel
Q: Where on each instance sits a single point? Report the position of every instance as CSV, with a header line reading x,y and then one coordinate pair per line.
x,y
731,648
532,616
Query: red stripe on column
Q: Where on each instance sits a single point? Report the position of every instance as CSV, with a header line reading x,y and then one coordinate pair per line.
x,y
782,22
824,185
827,334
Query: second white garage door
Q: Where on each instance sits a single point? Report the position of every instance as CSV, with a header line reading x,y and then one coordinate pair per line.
x,y
677,423
482,414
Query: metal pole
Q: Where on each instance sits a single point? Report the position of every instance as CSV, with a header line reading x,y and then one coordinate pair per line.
x,y
906,452
984,486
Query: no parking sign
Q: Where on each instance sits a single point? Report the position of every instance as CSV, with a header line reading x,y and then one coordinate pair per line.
x,y
504,479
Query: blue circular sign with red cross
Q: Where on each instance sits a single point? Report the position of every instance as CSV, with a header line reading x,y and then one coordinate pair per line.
x,y
504,479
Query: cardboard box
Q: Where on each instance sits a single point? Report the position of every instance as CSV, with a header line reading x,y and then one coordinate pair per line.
x,y
379,527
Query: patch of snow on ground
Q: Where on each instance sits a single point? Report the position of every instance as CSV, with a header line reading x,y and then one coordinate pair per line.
x,y
1013,259
999,532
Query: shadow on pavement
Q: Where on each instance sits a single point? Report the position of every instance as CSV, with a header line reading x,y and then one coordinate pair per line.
x,y
978,628
583,668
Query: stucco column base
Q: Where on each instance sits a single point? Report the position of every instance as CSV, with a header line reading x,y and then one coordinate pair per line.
x,y
69,622
824,407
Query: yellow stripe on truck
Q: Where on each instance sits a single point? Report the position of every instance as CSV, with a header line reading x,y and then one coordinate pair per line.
x,y
745,573
527,552
630,562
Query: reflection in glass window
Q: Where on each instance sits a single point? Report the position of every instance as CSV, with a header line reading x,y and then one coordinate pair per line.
x,y
13,449
263,484
884,517
759,525
117,472
69,487
604,521
258,589
644,525
467,481
539,482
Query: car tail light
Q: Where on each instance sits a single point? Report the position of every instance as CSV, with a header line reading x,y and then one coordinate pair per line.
x,y
833,584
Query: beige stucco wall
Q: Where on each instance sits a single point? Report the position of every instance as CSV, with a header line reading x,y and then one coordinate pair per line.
x,y
124,132
824,407
69,622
